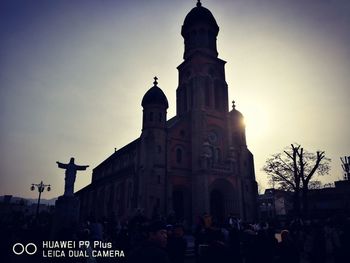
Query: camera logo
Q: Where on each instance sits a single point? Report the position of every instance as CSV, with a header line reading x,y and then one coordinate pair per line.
x,y
19,248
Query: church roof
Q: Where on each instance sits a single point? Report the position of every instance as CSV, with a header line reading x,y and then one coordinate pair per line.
x,y
117,153
155,96
171,122
197,15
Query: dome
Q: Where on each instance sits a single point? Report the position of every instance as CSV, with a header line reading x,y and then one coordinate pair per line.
x,y
155,96
197,15
235,112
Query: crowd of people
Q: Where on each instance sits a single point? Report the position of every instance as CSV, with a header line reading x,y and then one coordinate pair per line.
x,y
294,241
168,240
231,241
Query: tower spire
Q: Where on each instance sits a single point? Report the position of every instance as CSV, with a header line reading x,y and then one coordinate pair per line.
x,y
155,82
233,105
199,4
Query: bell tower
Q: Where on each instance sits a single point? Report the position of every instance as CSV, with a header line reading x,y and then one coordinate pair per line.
x,y
152,168
221,168
202,84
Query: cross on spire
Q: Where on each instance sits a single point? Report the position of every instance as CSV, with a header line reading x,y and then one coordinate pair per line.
x,y
155,81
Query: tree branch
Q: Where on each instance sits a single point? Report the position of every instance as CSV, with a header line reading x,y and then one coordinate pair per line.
x,y
319,157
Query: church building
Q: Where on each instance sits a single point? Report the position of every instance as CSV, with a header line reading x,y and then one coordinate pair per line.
x,y
194,163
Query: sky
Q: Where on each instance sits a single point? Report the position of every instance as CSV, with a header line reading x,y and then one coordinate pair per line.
x,y
73,74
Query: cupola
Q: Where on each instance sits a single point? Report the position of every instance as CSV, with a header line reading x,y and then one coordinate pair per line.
x,y
200,31
155,96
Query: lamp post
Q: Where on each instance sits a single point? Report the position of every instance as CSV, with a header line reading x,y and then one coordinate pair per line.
x,y
41,187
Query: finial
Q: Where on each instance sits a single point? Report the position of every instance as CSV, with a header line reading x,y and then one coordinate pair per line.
x,y
233,105
199,4
155,81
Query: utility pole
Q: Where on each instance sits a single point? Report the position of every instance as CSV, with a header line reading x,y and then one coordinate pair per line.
x,y
346,167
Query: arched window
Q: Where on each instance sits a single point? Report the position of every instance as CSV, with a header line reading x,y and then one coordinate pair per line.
x,y
217,95
193,36
184,101
191,93
207,93
217,155
179,155
202,38
211,39
128,201
182,133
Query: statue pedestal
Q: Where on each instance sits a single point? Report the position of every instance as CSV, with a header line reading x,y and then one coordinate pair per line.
x,y
66,216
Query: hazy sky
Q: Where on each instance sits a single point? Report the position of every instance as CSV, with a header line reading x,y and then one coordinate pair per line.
x,y
73,73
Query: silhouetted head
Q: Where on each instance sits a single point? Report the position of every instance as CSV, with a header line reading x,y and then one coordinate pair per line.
x,y
158,233
178,230
285,235
71,160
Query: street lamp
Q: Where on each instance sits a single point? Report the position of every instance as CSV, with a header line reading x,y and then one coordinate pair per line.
x,y
41,187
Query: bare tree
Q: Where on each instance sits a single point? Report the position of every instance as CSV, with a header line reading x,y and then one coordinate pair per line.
x,y
293,170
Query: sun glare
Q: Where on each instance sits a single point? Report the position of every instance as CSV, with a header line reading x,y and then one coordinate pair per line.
x,y
256,121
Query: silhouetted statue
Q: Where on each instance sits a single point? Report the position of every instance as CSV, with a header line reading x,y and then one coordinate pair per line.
x,y
71,172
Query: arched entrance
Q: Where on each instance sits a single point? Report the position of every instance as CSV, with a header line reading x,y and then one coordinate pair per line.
x,y
179,203
217,208
221,199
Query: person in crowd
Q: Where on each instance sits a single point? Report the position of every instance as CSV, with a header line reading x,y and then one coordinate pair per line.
x,y
234,243
217,250
287,251
177,244
318,250
249,243
153,249
96,229
266,244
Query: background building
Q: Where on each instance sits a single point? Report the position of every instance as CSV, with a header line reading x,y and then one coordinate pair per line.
x,y
323,202
275,204
196,162
330,201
